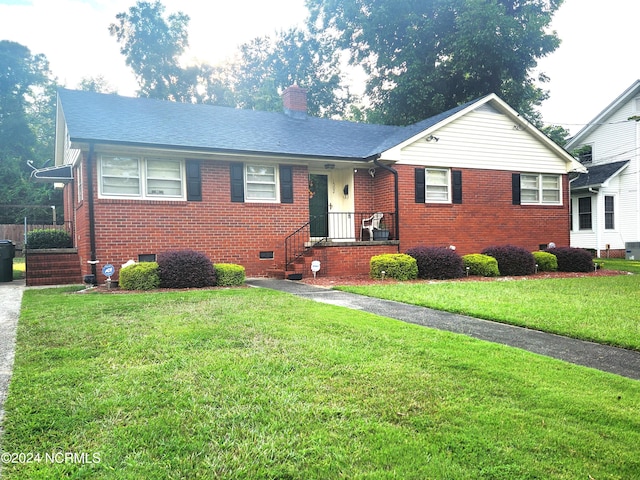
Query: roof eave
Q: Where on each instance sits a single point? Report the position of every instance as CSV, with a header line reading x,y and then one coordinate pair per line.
x,y
77,141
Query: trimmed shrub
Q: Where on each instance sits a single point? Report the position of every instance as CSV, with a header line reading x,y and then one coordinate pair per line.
x,y
229,274
572,259
185,269
547,262
139,276
48,238
481,265
394,265
437,262
512,260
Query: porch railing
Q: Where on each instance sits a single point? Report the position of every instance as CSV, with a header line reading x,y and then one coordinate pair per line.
x,y
336,226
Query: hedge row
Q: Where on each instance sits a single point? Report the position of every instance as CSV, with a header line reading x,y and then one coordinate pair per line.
x,y
180,269
506,260
48,238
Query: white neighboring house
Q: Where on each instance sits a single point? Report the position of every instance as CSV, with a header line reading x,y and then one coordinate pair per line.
x,y
605,202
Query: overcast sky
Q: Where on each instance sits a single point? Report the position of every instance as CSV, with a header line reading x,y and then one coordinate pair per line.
x,y
596,62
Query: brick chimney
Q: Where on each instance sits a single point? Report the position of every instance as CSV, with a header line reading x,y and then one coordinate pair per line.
x,y
294,101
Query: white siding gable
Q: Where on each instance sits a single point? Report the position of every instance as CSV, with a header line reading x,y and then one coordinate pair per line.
x,y
615,139
484,138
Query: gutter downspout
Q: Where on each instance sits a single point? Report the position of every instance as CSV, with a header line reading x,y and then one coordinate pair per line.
x,y
396,195
92,227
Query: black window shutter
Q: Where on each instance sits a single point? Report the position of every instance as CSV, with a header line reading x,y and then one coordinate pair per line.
x,y
286,184
420,185
457,186
515,188
237,182
194,181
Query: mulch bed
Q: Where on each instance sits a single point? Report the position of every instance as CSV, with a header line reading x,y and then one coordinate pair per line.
x,y
364,280
322,281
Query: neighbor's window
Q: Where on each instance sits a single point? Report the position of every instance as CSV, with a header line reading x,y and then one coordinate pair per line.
x,y
261,183
540,189
141,177
437,185
584,213
609,220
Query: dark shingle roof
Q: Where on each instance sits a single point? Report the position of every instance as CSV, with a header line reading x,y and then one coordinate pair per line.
x,y
113,119
597,175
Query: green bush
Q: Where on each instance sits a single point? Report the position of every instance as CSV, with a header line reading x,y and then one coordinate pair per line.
x,y
437,262
399,266
48,238
512,260
185,269
481,265
573,259
229,274
547,262
139,276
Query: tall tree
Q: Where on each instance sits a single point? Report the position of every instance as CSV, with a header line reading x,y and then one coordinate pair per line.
x,y
27,106
425,56
311,60
152,46
97,84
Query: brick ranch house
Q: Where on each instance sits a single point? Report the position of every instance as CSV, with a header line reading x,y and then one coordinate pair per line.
x,y
273,191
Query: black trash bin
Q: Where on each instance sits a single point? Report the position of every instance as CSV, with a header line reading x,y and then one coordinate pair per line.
x,y
7,253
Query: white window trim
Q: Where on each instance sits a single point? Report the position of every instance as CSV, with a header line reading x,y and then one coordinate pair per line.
x,y
276,184
142,169
541,189
426,185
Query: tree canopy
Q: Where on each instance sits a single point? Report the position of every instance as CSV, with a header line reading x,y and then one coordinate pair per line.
x,y
152,46
27,119
423,57
266,66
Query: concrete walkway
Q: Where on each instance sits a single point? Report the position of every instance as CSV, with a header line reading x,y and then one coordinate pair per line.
x,y
609,359
10,302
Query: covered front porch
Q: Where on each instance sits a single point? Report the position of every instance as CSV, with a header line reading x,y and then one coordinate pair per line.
x,y
343,243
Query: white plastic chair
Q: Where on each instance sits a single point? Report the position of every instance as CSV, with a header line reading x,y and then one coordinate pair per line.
x,y
372,223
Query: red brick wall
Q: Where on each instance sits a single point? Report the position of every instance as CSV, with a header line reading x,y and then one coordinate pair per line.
x,y
238,232
346,260
485,218
226,232
52,267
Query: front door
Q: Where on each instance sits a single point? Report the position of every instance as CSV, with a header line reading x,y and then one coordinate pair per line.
x,y
319,205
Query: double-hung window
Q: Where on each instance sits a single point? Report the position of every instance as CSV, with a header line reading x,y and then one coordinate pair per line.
x,y
164,178
437,185
584,213
143,178
540,189
609,213
261,183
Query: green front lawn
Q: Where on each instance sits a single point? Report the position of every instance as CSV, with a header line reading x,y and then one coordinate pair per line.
x,y
601,309
250,383
632,266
